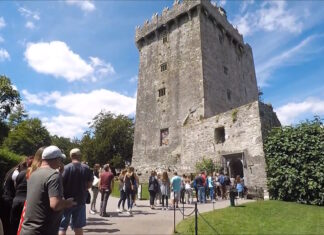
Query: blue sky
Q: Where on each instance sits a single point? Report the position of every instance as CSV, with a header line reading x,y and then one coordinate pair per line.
x,y
71,59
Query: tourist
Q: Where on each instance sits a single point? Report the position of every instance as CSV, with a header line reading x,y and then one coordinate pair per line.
x,y
20,197
175,189
122,198
200,183
238,184
45,196
129,182
182,189
165,190
77,179
221,180
95,188
188,190
210,185
158,196
106,186
37,161
136,185
227,182
8,195
153,188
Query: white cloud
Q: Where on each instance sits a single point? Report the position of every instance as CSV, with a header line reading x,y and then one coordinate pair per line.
x,y
133,79
4,55
2,22
57,59
302,52
77,109
245,4
85,5
43,98
272,16
28,13
101,68
222,3
1,39
29,25
289,113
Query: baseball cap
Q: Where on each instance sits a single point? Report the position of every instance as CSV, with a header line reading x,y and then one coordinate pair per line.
x,y
52,152
75,151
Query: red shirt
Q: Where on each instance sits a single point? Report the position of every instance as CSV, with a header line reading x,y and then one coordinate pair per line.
x,y
105,180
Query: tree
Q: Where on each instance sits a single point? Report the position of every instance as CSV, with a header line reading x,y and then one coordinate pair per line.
x,y
17,115
111,140
27,137
207,164
295,162
9,97
65,144
4,131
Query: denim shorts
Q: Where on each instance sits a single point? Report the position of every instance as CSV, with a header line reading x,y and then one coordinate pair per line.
x,y
78,214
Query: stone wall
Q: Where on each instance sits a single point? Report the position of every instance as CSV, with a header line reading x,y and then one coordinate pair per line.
x,y
183,85
224,90
243,134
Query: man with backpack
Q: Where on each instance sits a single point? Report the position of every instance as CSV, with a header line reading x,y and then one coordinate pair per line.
x,y
221,180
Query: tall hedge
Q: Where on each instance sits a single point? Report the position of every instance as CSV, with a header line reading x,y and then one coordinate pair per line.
x,y
295,162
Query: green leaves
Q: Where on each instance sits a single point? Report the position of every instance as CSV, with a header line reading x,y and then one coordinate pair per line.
x,y
9,97
295,162
27,137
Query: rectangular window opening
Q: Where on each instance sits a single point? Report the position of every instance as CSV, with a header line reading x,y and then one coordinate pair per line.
x,y
229,94
162,92
225,70
164,137
220,135
164,67
165,38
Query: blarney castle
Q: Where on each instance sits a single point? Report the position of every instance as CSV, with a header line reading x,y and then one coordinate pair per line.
x,y
197,95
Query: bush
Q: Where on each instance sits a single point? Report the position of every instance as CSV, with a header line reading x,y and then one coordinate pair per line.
x,y
295,162
7,161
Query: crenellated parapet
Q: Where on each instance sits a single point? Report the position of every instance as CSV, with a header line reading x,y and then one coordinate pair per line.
x,y
158,23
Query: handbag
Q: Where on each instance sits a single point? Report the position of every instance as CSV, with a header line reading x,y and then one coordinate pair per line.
x,y
88,197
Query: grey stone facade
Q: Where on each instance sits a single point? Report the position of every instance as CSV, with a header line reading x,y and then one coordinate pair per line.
x,y
197,75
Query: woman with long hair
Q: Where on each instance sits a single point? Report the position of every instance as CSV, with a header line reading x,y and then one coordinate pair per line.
x,y
122,198
165,190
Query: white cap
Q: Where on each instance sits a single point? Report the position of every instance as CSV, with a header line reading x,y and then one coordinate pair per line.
x,y
75,151
52,152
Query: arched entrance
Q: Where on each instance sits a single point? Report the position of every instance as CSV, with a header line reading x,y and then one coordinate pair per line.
x,y
233,164
236,168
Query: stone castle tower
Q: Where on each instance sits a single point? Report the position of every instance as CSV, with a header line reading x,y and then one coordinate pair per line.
x,y
197,95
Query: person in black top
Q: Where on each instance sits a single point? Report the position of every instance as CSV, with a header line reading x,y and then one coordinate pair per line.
x,y
153,188
20,197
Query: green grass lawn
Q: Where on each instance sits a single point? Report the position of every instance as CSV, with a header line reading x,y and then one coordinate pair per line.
x,y
145,193
263,217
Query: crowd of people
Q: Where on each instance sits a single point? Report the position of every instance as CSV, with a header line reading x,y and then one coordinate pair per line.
x,y
43,196
212,186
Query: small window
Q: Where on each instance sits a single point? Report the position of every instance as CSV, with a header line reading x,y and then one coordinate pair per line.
x,y
162,92
165,38
164,137
221,39
229,94
225,70
220,135
164,67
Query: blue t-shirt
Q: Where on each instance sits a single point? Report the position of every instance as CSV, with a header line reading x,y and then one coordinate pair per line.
x,y
239,187
176,183
75,181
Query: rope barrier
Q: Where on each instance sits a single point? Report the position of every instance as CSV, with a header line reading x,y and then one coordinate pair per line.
x,y
208,223
188,214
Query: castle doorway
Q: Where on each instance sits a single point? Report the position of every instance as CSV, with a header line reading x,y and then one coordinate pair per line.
x,y
233,164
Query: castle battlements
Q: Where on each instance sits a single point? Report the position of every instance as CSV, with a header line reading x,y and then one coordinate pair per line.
x,y
214,13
